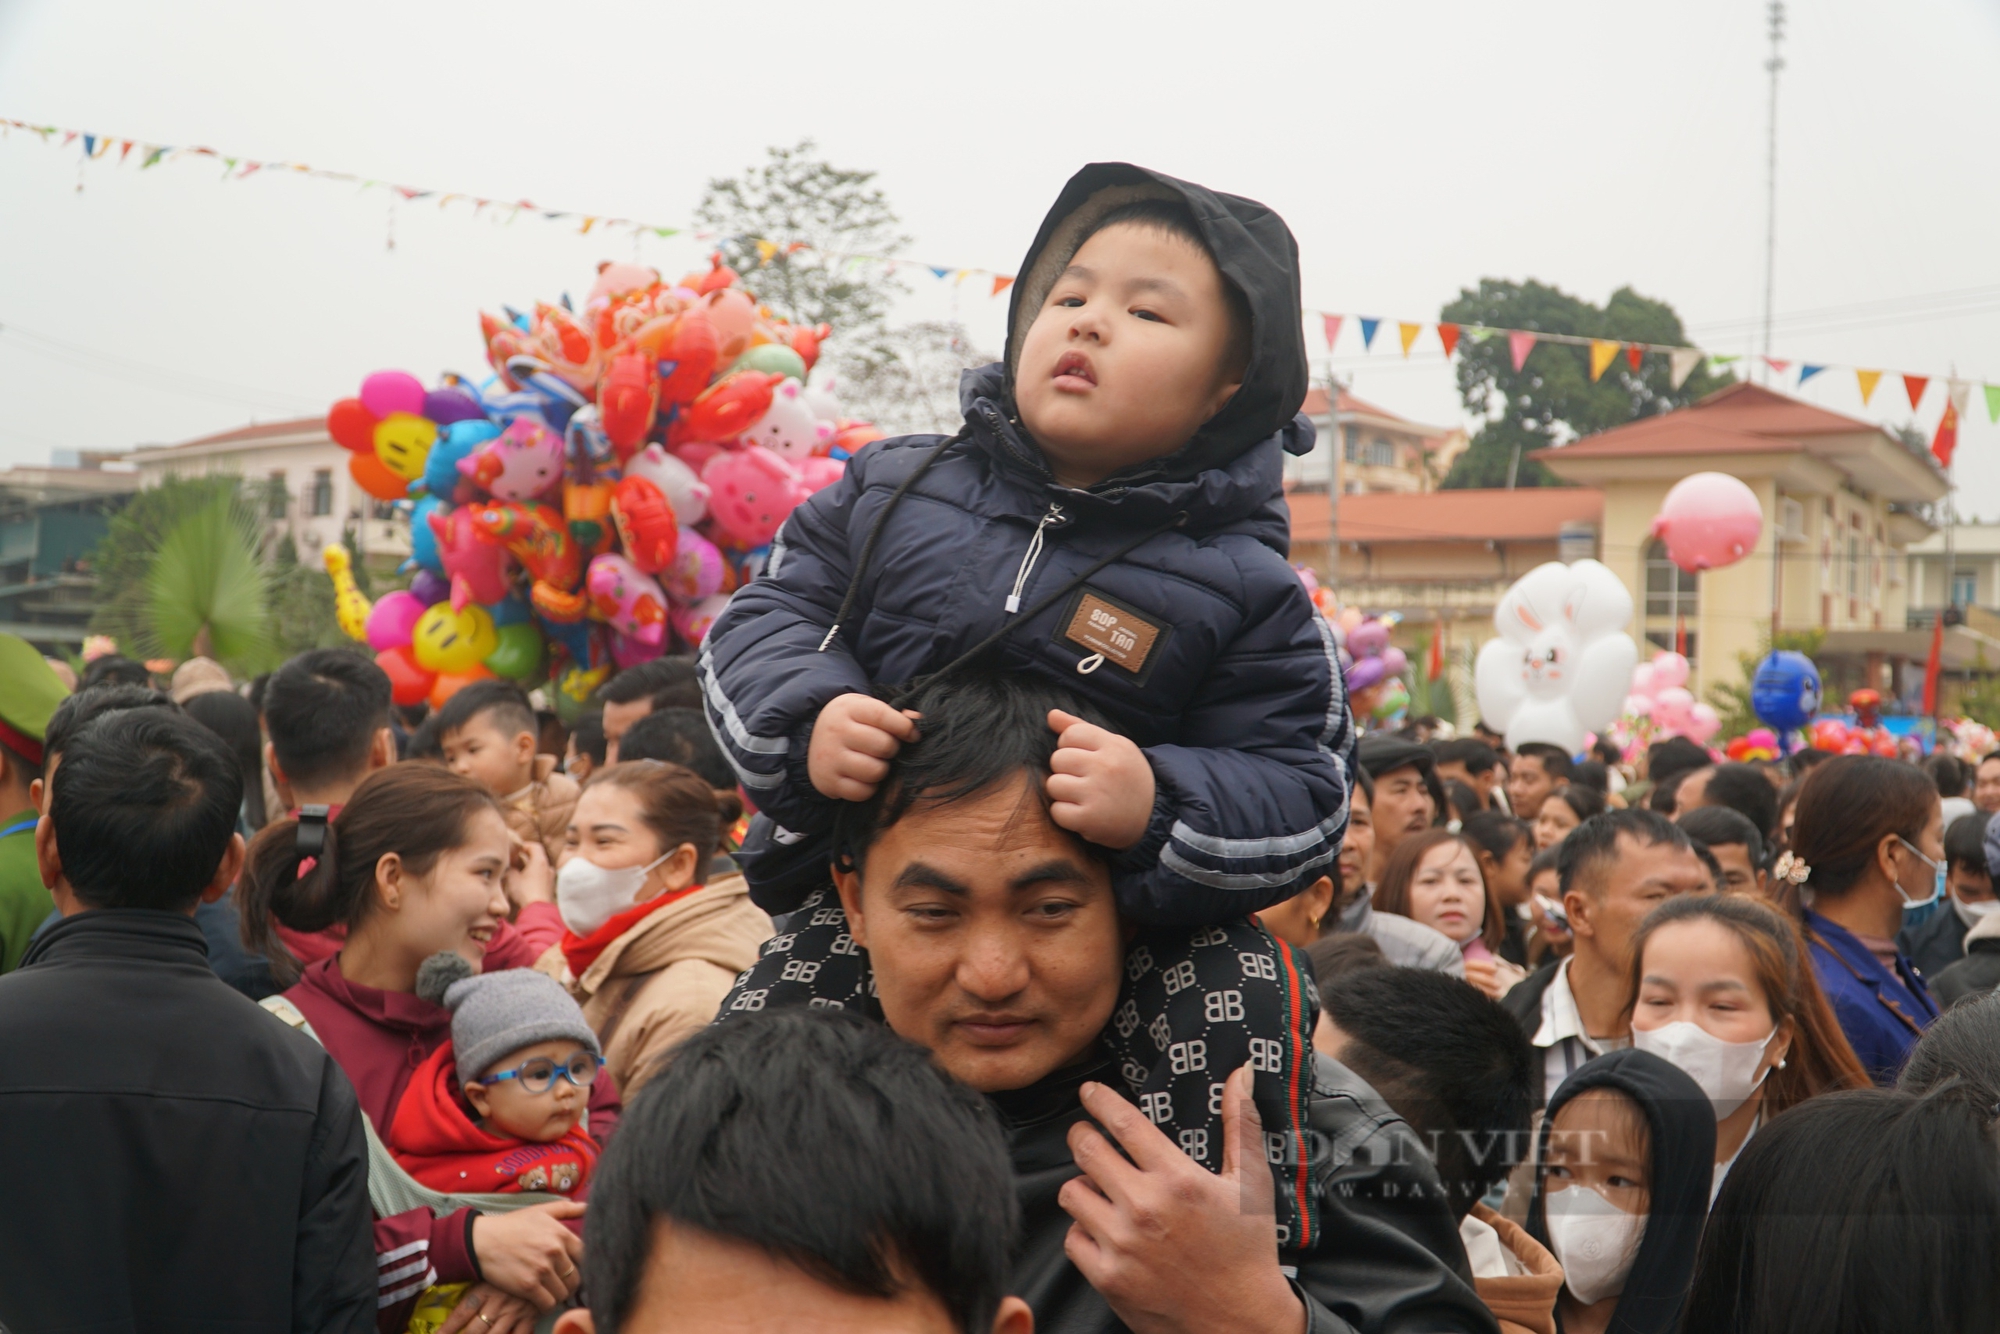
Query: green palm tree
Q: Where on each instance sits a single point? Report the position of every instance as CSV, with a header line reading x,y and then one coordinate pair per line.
x,y
207,591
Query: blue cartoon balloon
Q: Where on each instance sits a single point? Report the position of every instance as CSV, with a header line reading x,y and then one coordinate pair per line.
x,y
1785,689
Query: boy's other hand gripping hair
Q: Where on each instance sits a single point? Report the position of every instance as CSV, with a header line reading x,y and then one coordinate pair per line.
x,y
1100,786
852,743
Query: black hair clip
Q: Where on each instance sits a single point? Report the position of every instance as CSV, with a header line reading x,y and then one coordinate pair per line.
x,y
312,831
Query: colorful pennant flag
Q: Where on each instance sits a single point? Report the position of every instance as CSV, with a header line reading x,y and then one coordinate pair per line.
x,y
1960,394
765,251
1001,282
937,272
1681,363
1332,326
1448,335
1807,372
1867,380
1602,350
1777,365
1946,439
1993,402
1408,333
1368,328
1635,355
1520,343
1914,386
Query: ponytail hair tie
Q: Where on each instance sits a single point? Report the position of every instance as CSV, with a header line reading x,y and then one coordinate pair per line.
x,y
311,836
1792,869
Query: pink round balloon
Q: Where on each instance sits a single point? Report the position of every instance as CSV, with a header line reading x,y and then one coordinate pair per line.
x,y
1707,521
1639,706
1643,684
1673,710
393,619
1669,670
385,392
1703,723
1394,661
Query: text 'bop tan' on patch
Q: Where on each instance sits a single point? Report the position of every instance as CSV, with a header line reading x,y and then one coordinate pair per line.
x,y
1112,632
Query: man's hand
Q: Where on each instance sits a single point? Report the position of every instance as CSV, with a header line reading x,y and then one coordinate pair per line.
x,y
529,1253
1100,786
852,743
1174,1249
494,1311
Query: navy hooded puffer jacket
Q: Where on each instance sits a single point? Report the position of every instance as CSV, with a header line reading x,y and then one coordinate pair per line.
x,y
1195,637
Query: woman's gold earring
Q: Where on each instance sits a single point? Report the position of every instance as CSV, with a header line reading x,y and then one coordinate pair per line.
x,y
1315,923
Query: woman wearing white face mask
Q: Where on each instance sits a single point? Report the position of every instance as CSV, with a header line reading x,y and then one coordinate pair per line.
x,y
1722,988
650,949
1623,1192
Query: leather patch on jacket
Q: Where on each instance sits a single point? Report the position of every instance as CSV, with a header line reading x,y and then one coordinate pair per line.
x,y
1111,631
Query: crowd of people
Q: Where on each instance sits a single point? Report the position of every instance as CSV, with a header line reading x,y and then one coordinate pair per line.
x,y
1017,940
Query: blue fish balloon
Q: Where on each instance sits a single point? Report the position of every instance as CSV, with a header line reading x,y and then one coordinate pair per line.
x,y
1785,690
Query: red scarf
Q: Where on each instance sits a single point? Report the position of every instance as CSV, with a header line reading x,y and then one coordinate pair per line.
x,y
436,1140
582,951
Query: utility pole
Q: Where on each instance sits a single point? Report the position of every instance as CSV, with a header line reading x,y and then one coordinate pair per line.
x,y
1772,66
1334,468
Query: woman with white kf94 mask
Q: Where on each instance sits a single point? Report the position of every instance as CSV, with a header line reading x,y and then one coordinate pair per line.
x,y
1722,988
1622,1192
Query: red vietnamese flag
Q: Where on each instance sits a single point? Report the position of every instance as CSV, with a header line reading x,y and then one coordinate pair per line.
x,y
1946,439
1434,668
1932,664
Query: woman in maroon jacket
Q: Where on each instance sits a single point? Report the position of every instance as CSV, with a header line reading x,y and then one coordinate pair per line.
x,y
416,862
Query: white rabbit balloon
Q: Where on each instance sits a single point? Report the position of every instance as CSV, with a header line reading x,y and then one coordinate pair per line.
x,y
1562,664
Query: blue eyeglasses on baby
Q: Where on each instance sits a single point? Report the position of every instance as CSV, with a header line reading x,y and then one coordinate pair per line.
x,y
539,1074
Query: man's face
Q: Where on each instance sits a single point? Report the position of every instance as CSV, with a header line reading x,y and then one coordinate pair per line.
x,y
1403,806
1454,771
1693,791
1986,785
1357,849
1637,879
1528,785
994,938
618,720
1738,875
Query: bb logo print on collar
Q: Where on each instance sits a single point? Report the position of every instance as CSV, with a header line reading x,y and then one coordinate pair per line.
x,y
1112,632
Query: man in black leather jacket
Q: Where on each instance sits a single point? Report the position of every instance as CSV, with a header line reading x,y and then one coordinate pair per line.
x,y
995,942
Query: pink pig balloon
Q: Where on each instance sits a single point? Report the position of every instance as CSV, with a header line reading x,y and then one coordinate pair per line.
x,y
819,472
626,596
469,555
392,619
1709,520
385,392
694,623
754,492
696,570
1669,670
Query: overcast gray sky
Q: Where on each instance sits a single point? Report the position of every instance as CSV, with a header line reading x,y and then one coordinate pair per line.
x,y
1413,148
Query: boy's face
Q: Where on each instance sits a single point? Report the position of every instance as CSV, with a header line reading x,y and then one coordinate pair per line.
x,y
1129,356
509,1108
480,751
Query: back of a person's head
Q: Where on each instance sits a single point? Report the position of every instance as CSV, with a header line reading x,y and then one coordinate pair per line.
x,y
678,736
86,706
1590,848
1744,789
1961,1046
1555,761
1474,754
1669,759
1719,826
1453,1063
112,670
1338,953
504,704
144,807
588,735
981,727
827,1142
677,804
1948,773
1869,1212
234,719
322,711
1592,774
1965,842
670,683
1848,806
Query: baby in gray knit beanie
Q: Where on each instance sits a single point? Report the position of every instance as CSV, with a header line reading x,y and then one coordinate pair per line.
x,y
526,1057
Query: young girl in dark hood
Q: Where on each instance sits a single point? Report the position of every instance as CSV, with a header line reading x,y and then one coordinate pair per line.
x,y
1626,1154
1110,516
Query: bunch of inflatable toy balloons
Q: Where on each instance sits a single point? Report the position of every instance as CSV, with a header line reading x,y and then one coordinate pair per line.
x,y
619,475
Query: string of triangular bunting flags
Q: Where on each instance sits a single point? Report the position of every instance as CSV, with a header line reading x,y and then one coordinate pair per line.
x,y
1681,360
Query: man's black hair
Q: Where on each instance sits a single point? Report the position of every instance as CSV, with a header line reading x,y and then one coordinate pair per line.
x,y
234,719
1470,751
1592,774
979,727
144,806
1965,842
507,702
1719,826
1453,1063
1497,832
1949,773
1463,798
588,735
671,683
86,706
1744,789
322,711
1556,762
1595,842
426,742
112,670
1673,757
1338,953
823,1139
678,736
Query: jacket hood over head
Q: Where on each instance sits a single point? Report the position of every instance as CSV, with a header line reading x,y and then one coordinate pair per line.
x,y
1255,251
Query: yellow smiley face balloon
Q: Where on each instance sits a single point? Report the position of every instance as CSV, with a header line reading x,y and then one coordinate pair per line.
x,y
453,641
403,442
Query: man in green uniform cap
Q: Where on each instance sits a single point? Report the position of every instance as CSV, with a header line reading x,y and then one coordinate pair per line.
x,y
29,693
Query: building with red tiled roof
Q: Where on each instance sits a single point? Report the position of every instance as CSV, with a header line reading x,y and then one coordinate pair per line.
x,y
1843,501
1371,449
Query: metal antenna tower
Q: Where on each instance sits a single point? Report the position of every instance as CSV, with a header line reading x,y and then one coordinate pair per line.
x,y
1772,66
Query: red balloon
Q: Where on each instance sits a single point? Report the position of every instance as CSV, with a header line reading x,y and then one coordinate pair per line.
x,y
373,476
408,683
726,408
351,426
646,524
